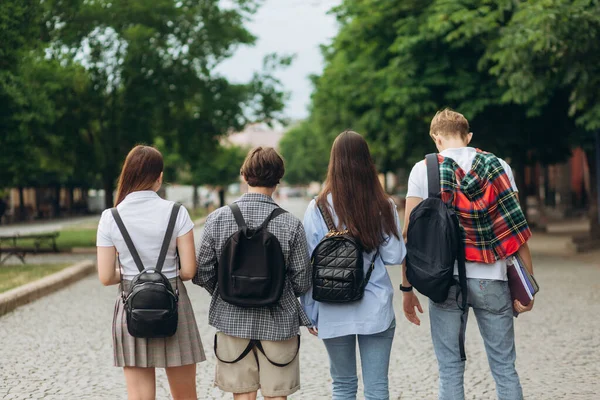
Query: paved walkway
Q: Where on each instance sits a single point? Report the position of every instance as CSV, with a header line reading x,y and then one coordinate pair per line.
x,y
60,346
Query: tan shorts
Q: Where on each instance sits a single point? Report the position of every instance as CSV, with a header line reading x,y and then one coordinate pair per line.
x,y
254,371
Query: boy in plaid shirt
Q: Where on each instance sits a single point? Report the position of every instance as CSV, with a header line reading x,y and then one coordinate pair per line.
x,y
481,189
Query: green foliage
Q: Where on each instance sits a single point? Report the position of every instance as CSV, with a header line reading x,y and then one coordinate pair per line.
x,y
306,154
220,167
523,73
81,82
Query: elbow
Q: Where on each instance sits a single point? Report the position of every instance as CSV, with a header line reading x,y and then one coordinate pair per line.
x,y
106,281
187,275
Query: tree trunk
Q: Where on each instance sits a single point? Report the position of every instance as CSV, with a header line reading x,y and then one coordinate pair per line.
x,y
70,197
21,204
109,187
593,160
56,202
195,197
520,181
222,197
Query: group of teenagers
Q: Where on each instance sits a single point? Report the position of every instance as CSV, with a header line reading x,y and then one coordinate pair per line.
x,y
269,274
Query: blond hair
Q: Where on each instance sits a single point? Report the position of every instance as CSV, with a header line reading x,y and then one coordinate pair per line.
x,y
449,123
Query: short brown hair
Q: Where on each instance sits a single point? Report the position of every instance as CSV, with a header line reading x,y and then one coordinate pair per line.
x,y
263,167
449,123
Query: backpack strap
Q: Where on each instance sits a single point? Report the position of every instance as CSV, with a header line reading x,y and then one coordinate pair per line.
x,y
433,175
274,214
127,238
168,236
237,214
462,281
370,271
256,343
326,217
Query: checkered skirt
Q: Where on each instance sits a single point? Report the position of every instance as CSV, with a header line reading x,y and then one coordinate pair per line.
x,y
183,348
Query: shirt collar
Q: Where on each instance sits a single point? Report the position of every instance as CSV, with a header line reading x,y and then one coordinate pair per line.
x,y
141,194
256,197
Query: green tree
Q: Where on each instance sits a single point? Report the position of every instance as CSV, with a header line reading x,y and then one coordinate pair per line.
x,y
220,168
306,154
152,68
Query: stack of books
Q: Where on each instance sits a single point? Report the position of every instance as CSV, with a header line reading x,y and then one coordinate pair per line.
x,y
523,285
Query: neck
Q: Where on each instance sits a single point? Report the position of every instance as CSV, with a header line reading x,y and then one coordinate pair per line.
x,y
453,144
262,190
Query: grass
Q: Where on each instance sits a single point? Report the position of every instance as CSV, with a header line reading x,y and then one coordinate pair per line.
x,y
67,240
12,276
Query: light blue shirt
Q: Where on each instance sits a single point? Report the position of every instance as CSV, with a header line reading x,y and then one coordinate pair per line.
x,y
375,312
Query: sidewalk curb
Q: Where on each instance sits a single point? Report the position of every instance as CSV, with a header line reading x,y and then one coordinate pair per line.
x,y
34,290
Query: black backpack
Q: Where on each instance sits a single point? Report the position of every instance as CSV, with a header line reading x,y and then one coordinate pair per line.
x,y
337,261
151,304
251,269
434,244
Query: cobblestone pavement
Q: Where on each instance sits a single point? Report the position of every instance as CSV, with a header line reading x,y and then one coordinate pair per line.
x,y
60,346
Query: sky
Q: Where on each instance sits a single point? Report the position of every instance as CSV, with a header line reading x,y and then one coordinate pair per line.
x,y
287,27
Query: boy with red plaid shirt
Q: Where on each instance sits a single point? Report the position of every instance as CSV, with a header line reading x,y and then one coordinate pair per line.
x,y
481,189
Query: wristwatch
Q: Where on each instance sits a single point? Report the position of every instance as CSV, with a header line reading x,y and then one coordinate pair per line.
x,y
406,289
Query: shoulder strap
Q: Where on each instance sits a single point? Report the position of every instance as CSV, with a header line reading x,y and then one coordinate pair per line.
x,y
168,236
462,281
127,238
274,214
326,216
239,218
371,268
433,175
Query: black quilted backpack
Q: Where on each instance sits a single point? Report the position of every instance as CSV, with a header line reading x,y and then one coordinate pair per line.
x,y
251,270
151,303
338,275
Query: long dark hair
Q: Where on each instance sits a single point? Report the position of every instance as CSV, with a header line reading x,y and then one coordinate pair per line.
x,y
359,200
141,170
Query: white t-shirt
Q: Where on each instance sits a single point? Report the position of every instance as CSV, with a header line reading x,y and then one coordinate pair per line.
x,y
417,187
146,216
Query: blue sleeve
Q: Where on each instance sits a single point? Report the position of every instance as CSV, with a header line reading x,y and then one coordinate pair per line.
x,y
314,226
393,249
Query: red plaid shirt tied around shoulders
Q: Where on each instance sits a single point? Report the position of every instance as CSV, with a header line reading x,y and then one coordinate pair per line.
x,y
489,212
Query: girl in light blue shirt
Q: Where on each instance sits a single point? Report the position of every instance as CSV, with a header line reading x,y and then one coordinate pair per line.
x,y
357,202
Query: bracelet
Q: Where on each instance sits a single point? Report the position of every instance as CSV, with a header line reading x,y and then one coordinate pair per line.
x,y
406,289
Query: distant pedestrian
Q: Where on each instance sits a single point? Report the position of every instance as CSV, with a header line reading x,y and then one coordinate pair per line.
x,y
355,229
480,190
254,262
153,241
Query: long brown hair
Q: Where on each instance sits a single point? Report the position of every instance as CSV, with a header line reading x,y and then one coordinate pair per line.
x,y
359,200
141,170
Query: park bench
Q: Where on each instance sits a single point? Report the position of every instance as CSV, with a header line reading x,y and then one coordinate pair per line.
x,y
38,243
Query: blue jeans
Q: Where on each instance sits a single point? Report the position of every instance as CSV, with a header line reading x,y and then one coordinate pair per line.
x,y
491,302
375,360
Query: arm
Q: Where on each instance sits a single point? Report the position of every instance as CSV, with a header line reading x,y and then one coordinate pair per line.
x,y
206,262
299,266
187,256
410,301
393,250
108,271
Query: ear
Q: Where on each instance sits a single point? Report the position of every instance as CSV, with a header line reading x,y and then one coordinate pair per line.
x,y
438,140
469,137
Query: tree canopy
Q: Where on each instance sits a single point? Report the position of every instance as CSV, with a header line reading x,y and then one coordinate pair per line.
x,y
86,81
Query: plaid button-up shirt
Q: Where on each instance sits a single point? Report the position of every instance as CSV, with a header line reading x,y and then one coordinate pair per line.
x,y
277,322
489,212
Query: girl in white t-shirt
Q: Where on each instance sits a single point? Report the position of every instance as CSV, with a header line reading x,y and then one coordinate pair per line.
x,y
146,216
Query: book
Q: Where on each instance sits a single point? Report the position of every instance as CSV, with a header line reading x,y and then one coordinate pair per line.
x,y
521,283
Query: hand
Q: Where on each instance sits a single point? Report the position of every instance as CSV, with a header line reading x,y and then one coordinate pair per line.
x,y
313,331
520,308
410,301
